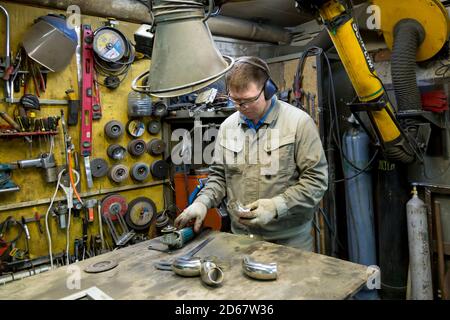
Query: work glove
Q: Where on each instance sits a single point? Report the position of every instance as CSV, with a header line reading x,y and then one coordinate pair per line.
x,y
196,211
261,212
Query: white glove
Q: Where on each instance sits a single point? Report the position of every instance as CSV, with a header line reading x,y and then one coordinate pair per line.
x,y
196,211
261,212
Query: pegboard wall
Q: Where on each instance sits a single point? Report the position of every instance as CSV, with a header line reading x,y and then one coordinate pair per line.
x,y
34,191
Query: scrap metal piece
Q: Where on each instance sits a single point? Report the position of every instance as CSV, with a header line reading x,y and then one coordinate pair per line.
x,y
258,270
101,266
99,168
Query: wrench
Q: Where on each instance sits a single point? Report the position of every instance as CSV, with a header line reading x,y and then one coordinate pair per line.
x,y
166,265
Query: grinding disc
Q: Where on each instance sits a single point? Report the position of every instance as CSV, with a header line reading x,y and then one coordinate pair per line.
x,y
140,171
159,169
137,147
118,173
156,147
116,152
154,127
113,205
141,213
101,266
99,168
135,128
114,129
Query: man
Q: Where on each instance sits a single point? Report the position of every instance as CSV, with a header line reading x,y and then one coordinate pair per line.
x,y
269,163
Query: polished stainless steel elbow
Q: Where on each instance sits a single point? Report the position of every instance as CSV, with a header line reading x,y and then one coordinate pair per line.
x,y
258,270
210,273
187,267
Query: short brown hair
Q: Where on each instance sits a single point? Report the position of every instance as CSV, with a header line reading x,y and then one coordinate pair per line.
x,y
245,70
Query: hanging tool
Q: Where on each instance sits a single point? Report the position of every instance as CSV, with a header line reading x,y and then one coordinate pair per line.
x,y
89,205
37,218
6,184
5,67
86,101
100,226
25,228
74,106
113,209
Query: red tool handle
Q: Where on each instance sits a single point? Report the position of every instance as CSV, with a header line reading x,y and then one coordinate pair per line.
x,y
91,214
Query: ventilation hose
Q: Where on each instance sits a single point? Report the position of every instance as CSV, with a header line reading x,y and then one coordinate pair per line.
x,y
409,34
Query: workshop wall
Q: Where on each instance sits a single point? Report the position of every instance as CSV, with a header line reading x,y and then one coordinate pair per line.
x,y
33,188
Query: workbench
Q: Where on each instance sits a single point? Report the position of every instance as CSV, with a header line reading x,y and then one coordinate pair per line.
x,y
301,275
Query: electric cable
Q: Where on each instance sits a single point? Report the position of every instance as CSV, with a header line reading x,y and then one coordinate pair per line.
x,y
117,69
49,237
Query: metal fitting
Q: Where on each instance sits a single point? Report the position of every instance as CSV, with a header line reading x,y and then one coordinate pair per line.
x,y
258,270
210,273
187,267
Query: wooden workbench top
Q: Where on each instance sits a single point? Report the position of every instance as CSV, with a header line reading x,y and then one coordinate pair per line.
x,y
301,275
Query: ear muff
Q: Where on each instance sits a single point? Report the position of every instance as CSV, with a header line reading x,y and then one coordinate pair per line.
x,y
270,88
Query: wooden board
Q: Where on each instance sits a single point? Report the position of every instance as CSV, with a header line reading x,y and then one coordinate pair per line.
x,y
302,275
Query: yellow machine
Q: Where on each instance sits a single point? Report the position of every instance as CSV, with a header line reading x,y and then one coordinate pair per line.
x,y
430,17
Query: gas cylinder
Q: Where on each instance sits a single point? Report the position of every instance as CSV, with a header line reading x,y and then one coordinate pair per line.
x,y
359,202
419,249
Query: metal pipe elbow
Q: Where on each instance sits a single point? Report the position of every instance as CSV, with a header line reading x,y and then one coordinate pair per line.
x,y
187,267
210,273
258,270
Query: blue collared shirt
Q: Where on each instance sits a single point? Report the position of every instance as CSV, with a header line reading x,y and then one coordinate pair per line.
x,y
250,123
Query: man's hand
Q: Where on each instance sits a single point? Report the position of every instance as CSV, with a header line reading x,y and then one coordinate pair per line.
x,y
261,212
196,211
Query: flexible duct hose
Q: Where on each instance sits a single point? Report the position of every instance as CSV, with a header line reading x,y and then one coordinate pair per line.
x,y
409,34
